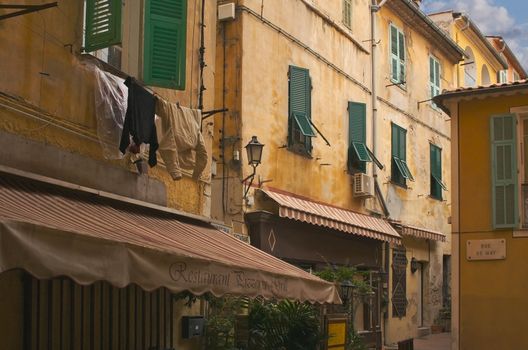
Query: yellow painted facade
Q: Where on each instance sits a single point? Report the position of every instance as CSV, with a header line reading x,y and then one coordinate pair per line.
x,y
48,95
253,55
481,65
47,99
490,296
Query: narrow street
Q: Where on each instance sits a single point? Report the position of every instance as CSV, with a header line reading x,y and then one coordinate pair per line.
x,y
440,341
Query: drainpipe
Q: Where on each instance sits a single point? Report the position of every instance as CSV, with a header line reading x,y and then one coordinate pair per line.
x,y
374,8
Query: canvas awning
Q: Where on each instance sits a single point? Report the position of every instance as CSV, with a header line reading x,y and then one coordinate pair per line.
x,y
419,232
340,219
53,231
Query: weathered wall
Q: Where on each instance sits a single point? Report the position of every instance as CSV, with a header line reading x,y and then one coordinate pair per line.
x,y
257,96
492,298
425,125
51,98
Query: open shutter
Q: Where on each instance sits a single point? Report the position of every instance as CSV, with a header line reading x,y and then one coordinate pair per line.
x,y
357,133
165,43
401,52
504,171
103,24
394,54
299,100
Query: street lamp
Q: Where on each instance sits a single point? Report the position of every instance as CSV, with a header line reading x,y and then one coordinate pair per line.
x,y
346,291
254,155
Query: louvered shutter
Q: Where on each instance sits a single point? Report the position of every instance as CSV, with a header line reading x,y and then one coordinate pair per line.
x,y
165,43
103,24
357,132
504,171
436,172
401,52
299,91
394,54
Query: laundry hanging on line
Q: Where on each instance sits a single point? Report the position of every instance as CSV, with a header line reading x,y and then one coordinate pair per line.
x,y
139,120
181,144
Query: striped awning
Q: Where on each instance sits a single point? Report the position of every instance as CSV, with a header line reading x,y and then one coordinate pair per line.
x,y
320,214
52,231
419,232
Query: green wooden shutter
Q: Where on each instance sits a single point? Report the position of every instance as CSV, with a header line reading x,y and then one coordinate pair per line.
x,y
401,46
103,24
299,100
504,171
436,171
394,54
399,169
357,132
165,43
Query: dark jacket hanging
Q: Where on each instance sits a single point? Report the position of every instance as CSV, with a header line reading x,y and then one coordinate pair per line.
x,y
139,119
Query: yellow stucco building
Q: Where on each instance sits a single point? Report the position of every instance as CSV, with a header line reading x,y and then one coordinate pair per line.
x,y
340,98
94,247
489,215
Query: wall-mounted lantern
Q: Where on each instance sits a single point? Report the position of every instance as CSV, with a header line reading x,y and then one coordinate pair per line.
x,y
254,155
346,292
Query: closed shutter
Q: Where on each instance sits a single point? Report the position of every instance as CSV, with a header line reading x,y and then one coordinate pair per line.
x,y
504,171
399,282
436,172
401,45
103,24
357,133
299,97
165,43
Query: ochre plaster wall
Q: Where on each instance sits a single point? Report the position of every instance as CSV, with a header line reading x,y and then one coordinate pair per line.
x,y
408,107
40,72
492,298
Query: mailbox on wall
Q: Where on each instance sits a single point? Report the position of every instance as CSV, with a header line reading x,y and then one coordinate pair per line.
x,y
192,326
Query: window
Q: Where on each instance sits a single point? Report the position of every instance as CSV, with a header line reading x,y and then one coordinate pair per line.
x,y
300,127
470,68
164,37
399,169
358,152
434,77
399,282
504,170
436,172
516,76
503,76
347,13
397,40
523,173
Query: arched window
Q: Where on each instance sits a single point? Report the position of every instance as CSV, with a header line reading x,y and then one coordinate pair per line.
x,y
485,76
470,68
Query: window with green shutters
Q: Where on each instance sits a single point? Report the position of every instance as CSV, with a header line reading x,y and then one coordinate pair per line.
x,y
434,77
165,43
400,171
397,56
358,153
300,128
347,13
164,37
102,24
504,171
436,172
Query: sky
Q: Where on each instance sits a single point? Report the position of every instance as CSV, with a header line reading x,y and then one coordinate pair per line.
x,y
507,18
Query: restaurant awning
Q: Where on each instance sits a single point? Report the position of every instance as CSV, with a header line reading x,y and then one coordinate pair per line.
x,y
419,232
51,231
340,219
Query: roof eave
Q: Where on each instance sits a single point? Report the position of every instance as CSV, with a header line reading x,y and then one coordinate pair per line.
x,y
452,50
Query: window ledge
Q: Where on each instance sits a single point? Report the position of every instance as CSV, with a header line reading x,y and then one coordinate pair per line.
x,y
520,233
435,198
405,187
300,152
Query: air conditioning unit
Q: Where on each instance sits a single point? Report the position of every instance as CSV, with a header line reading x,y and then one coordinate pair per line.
x,y
363,185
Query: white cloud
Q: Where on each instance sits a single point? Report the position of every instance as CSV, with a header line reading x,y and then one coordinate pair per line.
x,y
492,19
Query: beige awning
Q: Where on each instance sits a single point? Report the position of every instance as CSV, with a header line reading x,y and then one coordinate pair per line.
x,y
419,232
340,219
52,231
